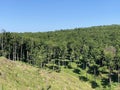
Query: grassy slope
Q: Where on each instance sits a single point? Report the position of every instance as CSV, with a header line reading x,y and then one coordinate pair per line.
x,y
15,75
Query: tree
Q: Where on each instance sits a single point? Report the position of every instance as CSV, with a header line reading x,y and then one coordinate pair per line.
x,y
117,63
85,57
110,52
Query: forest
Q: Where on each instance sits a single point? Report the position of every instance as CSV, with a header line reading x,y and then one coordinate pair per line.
x,y
96,50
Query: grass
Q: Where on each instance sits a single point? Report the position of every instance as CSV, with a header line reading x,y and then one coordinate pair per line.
x,y
16,75
89,79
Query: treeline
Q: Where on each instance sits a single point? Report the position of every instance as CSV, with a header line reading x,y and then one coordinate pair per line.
x,y
95,49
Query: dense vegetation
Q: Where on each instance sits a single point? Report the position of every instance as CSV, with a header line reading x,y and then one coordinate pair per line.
x,y
96,50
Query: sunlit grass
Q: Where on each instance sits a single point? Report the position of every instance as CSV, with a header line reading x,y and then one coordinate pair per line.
x,y
15,75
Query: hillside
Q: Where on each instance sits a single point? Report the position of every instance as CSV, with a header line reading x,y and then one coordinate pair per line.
x,y
15,75
90,54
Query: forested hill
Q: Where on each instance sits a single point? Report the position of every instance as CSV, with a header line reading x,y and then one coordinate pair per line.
x,y
94,49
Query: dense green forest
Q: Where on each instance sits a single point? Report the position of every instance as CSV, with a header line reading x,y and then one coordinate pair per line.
x,y
96,50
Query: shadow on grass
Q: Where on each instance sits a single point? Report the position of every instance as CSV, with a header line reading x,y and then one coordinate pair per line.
x,y
92,69
70,67
77,71
48,87
105,82
83,78
114,77
94,84
81,66
55,68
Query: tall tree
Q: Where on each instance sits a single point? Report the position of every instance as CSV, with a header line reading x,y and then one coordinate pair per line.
x,y
110,52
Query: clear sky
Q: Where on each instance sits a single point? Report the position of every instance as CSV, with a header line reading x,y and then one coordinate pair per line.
x,y
50,15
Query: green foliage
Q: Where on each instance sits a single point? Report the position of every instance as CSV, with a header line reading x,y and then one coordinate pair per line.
x,y
95,50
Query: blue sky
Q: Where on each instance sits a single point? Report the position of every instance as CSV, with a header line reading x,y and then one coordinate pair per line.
x,y
50,15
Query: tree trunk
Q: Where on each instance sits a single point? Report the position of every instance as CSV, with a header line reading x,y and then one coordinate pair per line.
x,y
9,53
109,76
59,63
41,65
27,57
53,64
2,44
94,73
86,69
118,75
15,52
21,55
